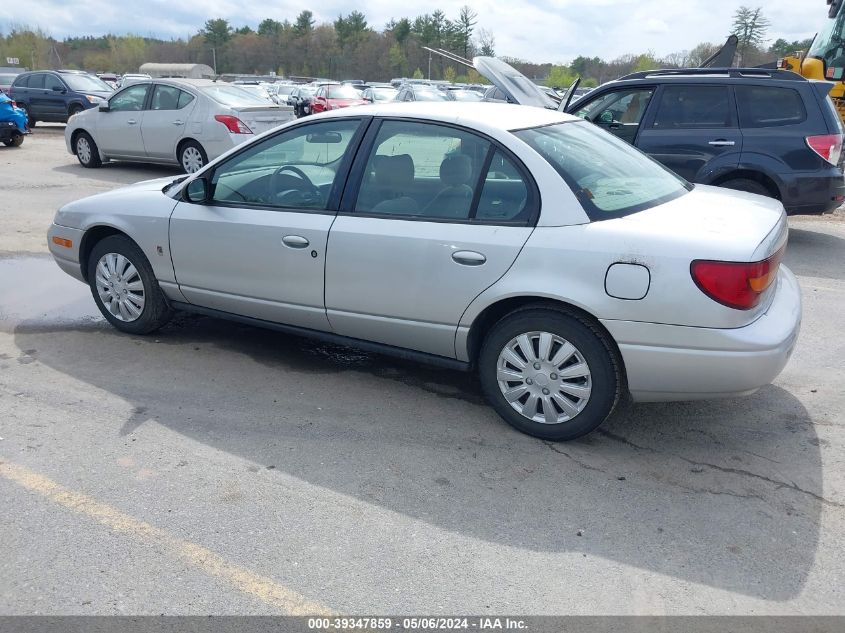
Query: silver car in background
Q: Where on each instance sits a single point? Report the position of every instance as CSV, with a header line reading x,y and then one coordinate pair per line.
x,y
185,122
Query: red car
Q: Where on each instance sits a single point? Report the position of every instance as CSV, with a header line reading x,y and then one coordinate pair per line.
x,y
334,96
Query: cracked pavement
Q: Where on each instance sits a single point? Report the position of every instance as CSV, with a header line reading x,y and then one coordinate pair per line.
x,y
216,468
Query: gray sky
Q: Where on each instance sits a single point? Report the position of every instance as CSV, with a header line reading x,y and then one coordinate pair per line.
x,y
538,30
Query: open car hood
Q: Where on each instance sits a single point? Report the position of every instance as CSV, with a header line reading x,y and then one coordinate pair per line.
x,y
519,88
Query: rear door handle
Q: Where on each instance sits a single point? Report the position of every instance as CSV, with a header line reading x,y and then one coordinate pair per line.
x,y
178,123
468,258
722,143
131,122
295,241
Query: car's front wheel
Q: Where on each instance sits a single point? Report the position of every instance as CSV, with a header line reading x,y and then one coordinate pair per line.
x,y
74,110
15,141
549,373
86,150
192,157
125,288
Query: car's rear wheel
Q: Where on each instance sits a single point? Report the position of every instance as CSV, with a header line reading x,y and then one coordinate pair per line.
x,y
125,288
748,185
15,141
550,373
86,150
192,157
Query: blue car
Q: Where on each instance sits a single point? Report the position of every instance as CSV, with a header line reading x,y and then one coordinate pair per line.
x,y
56,95
13,124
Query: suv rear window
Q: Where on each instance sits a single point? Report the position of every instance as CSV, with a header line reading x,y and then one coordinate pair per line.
x,y
769,106
609,177
22,81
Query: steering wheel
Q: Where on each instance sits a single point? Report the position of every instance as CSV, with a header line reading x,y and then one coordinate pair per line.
x,y
273,185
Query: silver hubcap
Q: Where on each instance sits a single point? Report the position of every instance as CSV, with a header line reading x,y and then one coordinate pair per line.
x,y
120,287
83,149
544,377
191,159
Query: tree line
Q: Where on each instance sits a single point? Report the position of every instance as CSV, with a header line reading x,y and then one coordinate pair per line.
x,y
349,47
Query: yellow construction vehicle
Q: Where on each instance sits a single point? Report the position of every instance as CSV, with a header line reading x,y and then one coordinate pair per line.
x,y
826,58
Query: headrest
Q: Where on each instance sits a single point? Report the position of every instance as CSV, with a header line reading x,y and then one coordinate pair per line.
x,y
394,171
455,170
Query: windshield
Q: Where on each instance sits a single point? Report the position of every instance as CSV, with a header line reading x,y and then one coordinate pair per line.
x,y
86,83
429,95
384,94
828,45
342,92
233,96
610,178
465,95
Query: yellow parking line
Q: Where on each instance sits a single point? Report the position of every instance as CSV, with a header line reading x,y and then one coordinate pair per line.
x,y
261,587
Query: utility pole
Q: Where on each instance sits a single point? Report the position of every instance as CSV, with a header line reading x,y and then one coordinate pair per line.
x,y
214,56
429,65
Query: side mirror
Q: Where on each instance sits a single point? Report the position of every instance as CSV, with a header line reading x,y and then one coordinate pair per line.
x,y
58,89
198,191
606,117
368,99
104,107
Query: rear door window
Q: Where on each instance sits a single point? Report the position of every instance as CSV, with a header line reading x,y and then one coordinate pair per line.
x,y
694,107
769,106
36,81
22,82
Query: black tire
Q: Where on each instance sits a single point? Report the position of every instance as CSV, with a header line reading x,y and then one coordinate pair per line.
x,y
75,109
15,141
155,311
605,372
746,184
89,158
184,152
29,120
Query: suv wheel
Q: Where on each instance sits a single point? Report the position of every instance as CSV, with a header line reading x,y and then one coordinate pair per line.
x,y
748,185
549,373
86,150
76,109
125,288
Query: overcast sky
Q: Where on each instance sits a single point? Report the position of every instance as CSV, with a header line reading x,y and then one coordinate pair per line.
x,y
536,30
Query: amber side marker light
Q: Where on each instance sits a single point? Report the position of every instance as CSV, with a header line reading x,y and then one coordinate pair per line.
x,y
62,241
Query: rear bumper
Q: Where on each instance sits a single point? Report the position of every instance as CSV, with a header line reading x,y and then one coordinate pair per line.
x,y
667,362
821,192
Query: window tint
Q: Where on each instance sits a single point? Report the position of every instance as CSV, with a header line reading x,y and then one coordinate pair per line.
x,y
295,169
609,177
504,194
701,107
52,82
423,170
623,106
36,80
184,99
165,98
767,106
130,99
22,82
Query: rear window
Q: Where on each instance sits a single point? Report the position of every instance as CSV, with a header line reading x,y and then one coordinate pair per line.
x,y
233,96
610,178
768,106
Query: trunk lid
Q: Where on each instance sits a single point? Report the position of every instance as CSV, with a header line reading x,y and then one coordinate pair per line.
x,y
262,118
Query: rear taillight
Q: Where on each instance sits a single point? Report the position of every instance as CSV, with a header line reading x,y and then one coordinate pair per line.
x,y
233,124
738,285
828,146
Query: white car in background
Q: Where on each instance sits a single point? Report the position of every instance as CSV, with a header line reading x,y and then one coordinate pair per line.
x,y
185,122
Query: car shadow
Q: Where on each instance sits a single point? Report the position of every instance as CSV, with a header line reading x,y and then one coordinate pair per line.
x,y
121,172
815,254
726,493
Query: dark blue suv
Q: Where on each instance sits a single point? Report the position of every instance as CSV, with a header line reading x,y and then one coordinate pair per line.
x,y
56,95
769,132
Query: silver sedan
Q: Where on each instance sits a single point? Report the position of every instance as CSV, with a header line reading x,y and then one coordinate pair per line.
x,y
186,122
557,261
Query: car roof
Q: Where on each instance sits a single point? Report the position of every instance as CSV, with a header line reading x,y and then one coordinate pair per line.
x,y
503,116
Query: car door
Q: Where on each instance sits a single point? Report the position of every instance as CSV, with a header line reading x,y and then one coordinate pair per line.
x,y
165,121
619,111
434,222
119,128
693,131
319,102
37,96
55,98
256,247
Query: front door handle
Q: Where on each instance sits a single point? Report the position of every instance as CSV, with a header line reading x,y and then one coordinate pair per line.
x,y
468,258
131,122
295,241
722,143
178,123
